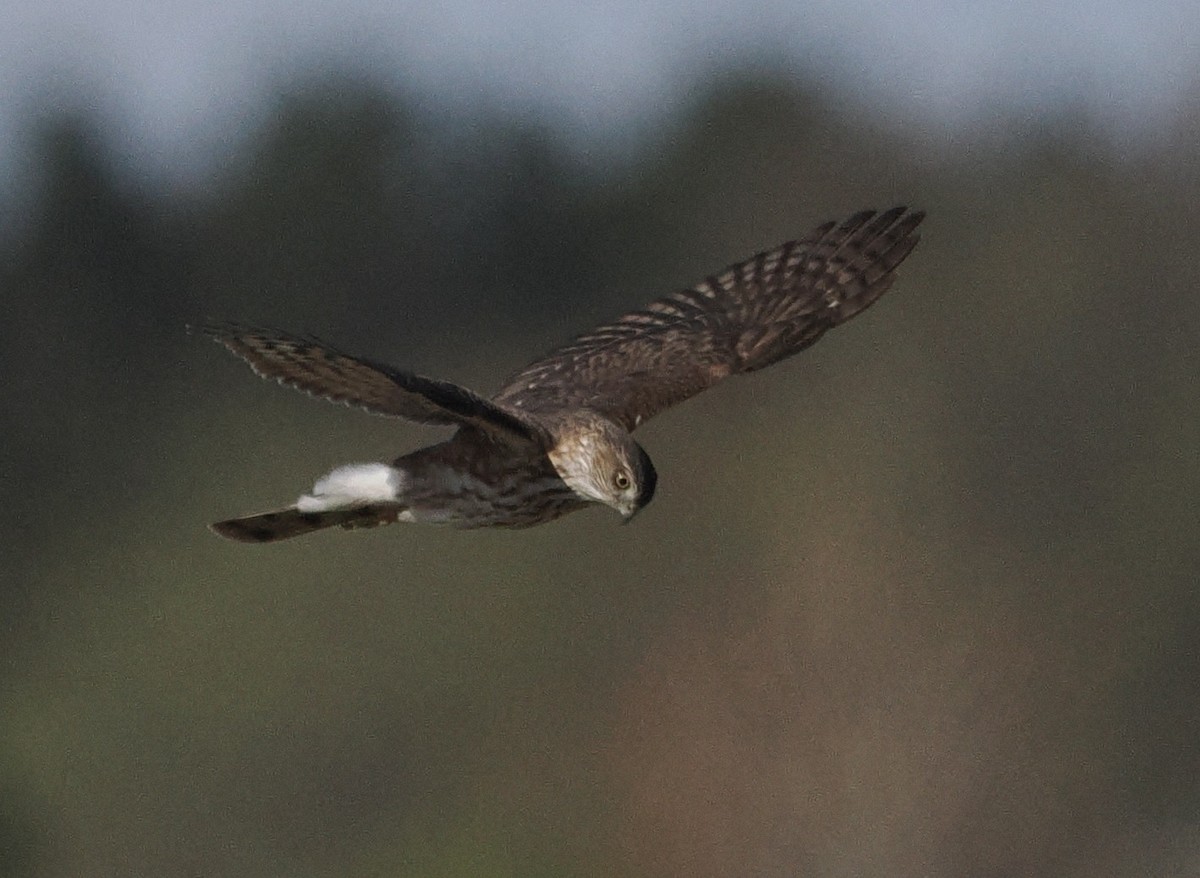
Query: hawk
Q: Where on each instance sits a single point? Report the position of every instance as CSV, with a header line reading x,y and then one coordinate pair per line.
x,y
557,436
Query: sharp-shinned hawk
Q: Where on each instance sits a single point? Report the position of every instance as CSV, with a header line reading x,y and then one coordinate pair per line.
x,y
557,435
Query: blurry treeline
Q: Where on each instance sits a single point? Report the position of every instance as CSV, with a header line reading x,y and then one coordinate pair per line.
x,y
921,602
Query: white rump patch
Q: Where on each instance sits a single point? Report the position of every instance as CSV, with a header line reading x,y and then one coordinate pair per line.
x,y
357,484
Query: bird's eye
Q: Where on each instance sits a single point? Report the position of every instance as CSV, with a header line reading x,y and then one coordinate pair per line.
x,y
621,481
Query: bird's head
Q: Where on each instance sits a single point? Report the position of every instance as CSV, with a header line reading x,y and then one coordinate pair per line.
x,y
601,462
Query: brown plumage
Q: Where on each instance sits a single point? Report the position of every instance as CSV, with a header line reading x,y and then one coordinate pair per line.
x,y
557,435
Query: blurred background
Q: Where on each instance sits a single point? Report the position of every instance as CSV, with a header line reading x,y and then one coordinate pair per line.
x,y
922,601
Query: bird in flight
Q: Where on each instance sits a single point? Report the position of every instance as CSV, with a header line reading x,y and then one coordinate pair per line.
x,y
558,434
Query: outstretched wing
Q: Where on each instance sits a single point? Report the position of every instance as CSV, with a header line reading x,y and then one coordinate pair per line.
x,y
318,369
751,315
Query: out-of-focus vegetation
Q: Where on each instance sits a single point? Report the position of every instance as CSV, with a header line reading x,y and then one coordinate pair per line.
x,y
921,602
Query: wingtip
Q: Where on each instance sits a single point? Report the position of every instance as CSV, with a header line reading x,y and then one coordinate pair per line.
x,y
902,215
899,217
222,330
907,224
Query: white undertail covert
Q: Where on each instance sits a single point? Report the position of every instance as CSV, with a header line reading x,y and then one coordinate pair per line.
x,y
356,484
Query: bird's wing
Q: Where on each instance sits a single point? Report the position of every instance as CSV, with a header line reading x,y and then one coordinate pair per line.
x,y
751,315
318,369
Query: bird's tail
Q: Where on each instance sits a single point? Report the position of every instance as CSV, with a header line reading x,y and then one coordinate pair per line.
x,y
283,524
357,495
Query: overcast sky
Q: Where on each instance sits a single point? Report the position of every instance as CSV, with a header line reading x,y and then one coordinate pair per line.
x,y
174,73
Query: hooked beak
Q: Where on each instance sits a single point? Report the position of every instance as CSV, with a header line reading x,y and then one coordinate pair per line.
x,y
627,513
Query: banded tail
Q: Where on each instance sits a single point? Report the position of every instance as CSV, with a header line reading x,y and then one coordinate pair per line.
x,y
283,524
358,495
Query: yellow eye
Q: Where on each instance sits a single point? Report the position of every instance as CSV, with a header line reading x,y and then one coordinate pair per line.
x,y
621,481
